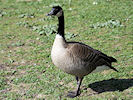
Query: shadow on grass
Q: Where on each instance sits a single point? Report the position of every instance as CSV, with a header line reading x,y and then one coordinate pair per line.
x,y
111,85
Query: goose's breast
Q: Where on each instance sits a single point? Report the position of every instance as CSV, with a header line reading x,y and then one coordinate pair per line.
x,y
68,64
58,51
57,55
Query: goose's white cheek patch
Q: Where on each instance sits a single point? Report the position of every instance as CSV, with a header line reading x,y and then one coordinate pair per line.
x,y
59,13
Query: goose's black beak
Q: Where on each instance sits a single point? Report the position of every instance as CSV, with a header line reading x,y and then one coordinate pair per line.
x,y
50,13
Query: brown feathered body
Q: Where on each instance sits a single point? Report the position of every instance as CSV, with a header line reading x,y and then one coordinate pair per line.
x,y
78,59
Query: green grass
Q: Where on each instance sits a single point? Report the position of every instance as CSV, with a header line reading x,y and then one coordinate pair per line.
x,y
26,37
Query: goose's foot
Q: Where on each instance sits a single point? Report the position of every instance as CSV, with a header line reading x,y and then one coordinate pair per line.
x,y
77,92
72,94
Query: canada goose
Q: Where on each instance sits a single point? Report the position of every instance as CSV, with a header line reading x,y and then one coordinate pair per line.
x,y
76,58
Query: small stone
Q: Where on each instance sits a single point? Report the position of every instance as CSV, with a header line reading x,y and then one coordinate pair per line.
x,y
38,38
95,3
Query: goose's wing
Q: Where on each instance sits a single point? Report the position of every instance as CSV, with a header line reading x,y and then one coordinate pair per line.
x,y
90,55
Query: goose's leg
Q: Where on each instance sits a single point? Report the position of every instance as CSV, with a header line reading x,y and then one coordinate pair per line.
x,y
78,86
77,79
77,92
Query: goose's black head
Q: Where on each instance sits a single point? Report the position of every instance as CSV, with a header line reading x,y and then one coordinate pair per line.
x,y
56,11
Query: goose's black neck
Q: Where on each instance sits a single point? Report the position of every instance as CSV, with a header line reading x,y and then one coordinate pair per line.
x,y
61,25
